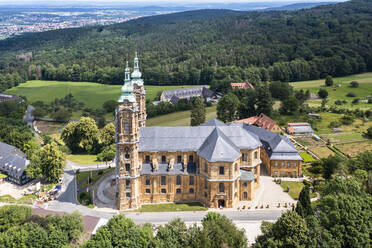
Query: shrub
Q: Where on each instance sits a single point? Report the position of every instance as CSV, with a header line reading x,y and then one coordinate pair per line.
x,y
338,102
322,93
369,132
354,84
347,119
355,101
350,94
334,124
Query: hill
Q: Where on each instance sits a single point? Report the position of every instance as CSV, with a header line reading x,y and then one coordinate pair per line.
x,y
297,6
204,47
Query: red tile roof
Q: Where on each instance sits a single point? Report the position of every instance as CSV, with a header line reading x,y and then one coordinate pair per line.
x,y
290,130
262,121
244,85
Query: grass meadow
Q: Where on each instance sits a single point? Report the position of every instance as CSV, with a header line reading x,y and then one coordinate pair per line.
x,y
92,94
339,93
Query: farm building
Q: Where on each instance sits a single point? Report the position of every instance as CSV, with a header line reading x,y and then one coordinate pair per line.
x,y
300,128
13,163
175,95
244,85
262,121
5,97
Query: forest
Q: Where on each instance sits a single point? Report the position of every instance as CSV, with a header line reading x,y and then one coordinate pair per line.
x,y
212,47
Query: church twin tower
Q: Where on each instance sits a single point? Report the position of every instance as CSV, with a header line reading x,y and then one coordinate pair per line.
x,y
130,116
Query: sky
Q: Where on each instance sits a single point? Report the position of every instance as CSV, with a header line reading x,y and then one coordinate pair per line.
x,y
157,1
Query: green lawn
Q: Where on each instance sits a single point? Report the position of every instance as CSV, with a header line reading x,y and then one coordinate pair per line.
x,y
364,90
27,199
85,174
179,118
92,94
307,157
172,207
294,188
83,158
348,137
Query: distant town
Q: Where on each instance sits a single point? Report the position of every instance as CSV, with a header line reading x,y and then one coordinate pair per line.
x,y
23,21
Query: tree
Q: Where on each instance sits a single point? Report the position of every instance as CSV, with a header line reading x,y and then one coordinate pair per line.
x,y
107,135
227,107
174,234
303,207
107,154
329,81
219,231
330,165
62,115
362,162
280,90
38,112
12,215
121,232
347,217
198,112
264,100
354,84
110,106
290,105
81,136
290,230
47,163
322,93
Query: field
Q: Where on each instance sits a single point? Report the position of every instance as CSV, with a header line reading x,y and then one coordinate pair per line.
x,y
339,93
92,94
322,152
355,148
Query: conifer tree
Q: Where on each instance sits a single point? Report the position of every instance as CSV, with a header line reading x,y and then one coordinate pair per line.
x,y
304,205
329,81
197,113
264,100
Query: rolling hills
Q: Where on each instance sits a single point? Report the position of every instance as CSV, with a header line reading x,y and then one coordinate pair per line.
x,y
205,47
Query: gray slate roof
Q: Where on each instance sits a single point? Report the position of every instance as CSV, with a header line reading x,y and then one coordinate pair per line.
x,y
12,160
184,92
206,140
213,122
277,146
303,129
219,148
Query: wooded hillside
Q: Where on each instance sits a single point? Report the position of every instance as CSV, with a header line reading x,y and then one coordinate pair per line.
x,y
204,47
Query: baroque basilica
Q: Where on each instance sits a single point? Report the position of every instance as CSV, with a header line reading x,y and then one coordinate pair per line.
x,y
216,164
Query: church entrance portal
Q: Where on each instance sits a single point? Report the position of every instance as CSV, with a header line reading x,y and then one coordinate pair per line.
x,y
221,203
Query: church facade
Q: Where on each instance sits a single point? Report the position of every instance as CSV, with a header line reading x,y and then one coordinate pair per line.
x,y
215,164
